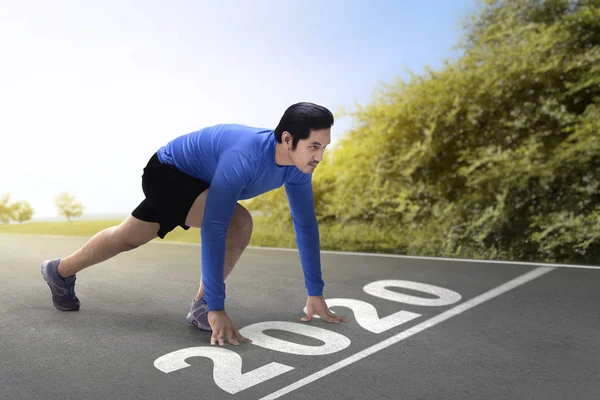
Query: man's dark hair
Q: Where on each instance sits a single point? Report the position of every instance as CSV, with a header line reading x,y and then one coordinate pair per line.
x,y
302,118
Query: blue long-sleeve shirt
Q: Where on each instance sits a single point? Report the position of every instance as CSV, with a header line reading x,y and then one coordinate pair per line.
x,y
239,163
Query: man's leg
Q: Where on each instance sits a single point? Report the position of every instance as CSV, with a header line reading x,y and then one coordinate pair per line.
x,y
59,274
238,233
130,234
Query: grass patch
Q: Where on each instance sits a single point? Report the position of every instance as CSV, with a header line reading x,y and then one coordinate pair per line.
x,y
72,228
264,234
89,229
428,240
269,233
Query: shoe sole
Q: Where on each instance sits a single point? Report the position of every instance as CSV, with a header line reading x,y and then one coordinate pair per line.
x,y
197,324
47,279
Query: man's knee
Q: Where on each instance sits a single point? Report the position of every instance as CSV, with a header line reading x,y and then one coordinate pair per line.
x,y
126,246
123,242
132,233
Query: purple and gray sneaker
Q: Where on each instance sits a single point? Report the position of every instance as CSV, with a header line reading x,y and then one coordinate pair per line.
x,y
198,315
63,289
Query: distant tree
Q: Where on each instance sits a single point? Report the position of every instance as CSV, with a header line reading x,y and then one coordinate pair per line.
x,y
67,206
21,211
6,212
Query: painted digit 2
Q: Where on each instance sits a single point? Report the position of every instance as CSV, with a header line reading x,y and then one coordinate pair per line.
x,y
228,364
227,371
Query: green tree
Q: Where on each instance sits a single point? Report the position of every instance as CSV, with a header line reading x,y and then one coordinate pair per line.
x,y
497,154
22,211
67,206
6,211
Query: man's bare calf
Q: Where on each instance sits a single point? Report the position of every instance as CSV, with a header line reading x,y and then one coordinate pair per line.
x,y
130,234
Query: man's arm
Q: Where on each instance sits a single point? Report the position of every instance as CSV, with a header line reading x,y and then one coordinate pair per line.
x,y
302,208
231,176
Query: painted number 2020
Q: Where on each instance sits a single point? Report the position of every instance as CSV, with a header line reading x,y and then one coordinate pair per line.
x,y
227,371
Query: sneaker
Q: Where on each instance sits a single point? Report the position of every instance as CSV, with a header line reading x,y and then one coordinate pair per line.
x,y
198,315
63,289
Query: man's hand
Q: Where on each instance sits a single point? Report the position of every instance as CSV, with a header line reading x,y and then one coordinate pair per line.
x,y
315,305
222,326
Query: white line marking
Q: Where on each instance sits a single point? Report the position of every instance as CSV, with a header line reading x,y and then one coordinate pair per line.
x,y
482,298
465,260
468,260
349,253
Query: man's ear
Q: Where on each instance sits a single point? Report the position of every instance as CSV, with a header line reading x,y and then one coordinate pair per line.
x,y
287,139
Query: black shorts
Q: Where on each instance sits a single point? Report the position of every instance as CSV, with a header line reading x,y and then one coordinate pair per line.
x,y
169,193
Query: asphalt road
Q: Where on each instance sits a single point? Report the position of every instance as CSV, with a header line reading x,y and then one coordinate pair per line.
x,y
418,329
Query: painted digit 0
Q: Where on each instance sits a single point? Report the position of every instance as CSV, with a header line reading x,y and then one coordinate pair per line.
x,y
444,296
332,341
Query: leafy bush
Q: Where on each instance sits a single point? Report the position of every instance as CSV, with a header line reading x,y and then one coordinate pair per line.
x,y
494,155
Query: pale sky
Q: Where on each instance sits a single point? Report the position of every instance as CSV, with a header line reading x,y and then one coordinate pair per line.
x,y
89,90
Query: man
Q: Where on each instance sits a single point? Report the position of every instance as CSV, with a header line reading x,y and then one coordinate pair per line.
x,y
196,181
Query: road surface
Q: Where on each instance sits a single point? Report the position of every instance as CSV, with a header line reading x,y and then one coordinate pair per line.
x,y
419,328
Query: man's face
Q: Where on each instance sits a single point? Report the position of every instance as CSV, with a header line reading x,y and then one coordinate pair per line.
x,y
309,152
